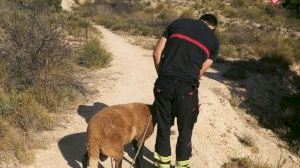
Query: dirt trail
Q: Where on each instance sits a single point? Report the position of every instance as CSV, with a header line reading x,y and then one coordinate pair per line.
x,y
130,79
67,4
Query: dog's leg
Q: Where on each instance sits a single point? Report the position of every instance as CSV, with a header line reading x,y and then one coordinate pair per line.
x,y
139,163
93,162
93,152
84,160
118,163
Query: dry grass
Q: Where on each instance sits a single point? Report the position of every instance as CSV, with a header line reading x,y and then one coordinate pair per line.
x,y
36,73
93,55
77,27
247,140
138,18
230,12
260,87
245,163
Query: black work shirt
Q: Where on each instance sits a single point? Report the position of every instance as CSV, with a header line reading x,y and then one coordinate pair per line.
x,y
189,43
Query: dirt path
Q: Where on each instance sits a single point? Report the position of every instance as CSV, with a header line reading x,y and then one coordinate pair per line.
x,y
67,4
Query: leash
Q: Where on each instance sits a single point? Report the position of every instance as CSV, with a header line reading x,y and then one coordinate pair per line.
x,y
143,138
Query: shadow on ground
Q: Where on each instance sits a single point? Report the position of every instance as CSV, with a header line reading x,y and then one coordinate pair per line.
x,y
148,156
267,89
73,146
88,111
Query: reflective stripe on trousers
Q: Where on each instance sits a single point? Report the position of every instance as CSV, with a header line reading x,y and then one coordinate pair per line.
x,y
162,161
183,164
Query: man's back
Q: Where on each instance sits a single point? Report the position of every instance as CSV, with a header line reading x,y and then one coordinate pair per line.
x,y
190,42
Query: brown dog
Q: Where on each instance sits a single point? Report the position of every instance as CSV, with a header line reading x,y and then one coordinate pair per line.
x,y
113,127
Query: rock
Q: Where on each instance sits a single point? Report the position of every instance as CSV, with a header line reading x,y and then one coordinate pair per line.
x,y
257,25
293,158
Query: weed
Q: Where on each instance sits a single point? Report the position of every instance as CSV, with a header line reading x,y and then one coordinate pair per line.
x,y
188,13
94,55
238,3
247,140
230,12
252,12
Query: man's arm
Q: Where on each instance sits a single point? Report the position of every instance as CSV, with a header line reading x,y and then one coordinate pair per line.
x,y
207,64
158,51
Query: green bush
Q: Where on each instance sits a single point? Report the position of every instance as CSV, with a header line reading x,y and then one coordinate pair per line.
x,y
94,55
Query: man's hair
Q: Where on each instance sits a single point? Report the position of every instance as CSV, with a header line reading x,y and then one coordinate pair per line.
x,y
210,19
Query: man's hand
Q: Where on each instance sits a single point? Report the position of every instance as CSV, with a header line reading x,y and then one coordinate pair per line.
x,y
157,52
207,64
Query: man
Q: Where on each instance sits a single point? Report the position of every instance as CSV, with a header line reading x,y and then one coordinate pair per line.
x,y
182,55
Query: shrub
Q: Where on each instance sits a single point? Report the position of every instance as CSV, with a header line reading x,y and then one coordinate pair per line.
x,y
58,91
94,55
13,144
78,27
229,11
238,3
245,163
279,47
33,45
241,34
56,4
188,13
36,76
197,5
129,18
247,140
252,13
167,14
23,111
20,114
3,73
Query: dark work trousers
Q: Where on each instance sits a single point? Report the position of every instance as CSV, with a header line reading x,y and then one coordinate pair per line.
x,y
175,98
